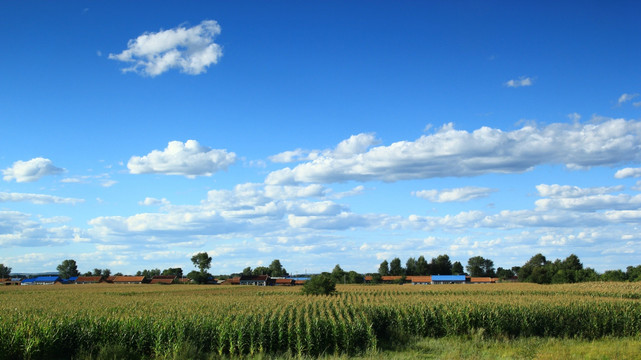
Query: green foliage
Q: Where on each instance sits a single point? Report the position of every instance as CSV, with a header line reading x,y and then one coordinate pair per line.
x,y
173,271
67,269
261,270
441,265
339,275
198,277
202,261
276,269
422,267
319,285
148,273
383,269
395,268
410,267
5,271
479,266
457,268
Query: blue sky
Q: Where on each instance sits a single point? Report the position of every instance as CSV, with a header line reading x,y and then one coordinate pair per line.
x,y
134,135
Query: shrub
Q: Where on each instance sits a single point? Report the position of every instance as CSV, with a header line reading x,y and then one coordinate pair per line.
x,y
319,285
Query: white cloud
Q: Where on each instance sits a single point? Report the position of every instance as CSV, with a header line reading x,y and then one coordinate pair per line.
x,y
32,170
191,50
458,194
20,229
522,81
37,198
149,201
591,203
355,144
625,98
627,173
189,159
450,152
568,191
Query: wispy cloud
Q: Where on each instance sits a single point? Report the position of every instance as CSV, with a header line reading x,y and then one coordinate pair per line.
x,y
37,198
32,170
454,195
189,159
520,82
624,98
191,50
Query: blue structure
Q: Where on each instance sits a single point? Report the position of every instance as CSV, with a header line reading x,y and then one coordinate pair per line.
x,y
27,281
448,279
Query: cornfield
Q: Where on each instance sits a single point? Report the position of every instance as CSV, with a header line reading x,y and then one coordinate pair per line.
x,y
154,320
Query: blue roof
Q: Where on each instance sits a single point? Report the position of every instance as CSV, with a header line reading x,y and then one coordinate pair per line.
x,y
28,280
47,279
73,278
448,277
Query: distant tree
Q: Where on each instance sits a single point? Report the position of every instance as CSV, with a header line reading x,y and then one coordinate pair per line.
x,y
355,278
395,268
613,275
67,269
247,271
338,274
457,268
99,272
422,267
441,265
410,267
106,272
504,273
148,273
376,278
261,270
587,274
383,269
572,263
319,285
479,266
5,271
536,270
88,273
633,273
173,271
118,274
198,277
276,269
202,261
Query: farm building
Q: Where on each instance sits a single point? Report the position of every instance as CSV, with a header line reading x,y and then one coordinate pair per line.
x,y
89,279
420,280
231,281
7,281
129,280
448,279
483,280
257,280
284,282
163,279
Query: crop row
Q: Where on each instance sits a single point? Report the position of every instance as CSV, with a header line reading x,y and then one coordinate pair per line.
x,y
252,321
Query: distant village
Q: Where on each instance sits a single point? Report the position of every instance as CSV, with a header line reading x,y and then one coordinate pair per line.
x,y
255,280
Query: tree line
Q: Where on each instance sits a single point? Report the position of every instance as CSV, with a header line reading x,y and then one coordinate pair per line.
x,y
536,270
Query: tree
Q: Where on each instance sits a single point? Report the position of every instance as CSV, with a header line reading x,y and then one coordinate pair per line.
x,y
410,266
319,285
173,271
202,261
422,267
198,277
338,274
148,273
355,278
478,266
67,269
247,271
457,268
613,275
5,271
441,265
261,270
383,269
536,270
504,273
395,268
276,269
633,273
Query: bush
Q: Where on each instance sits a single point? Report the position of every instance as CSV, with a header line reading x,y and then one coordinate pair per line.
x,y
319,285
